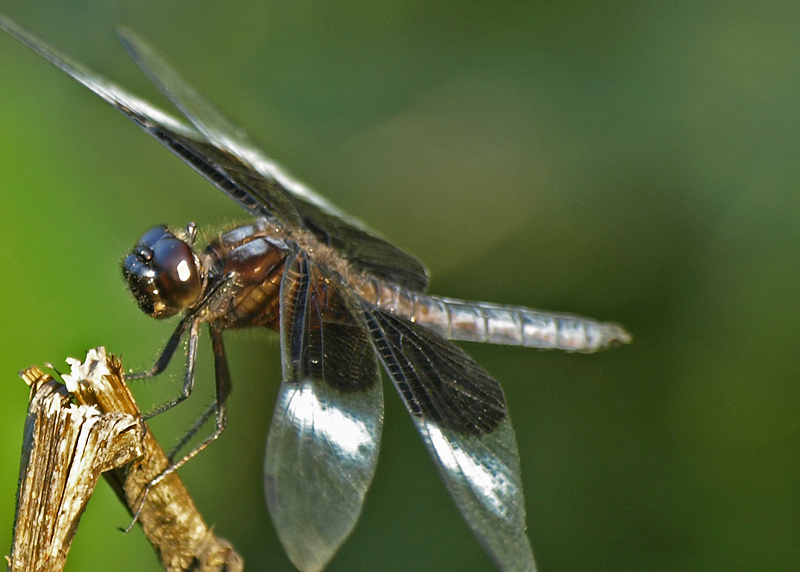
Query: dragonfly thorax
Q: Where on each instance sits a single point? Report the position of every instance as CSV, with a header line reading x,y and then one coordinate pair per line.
x,y
163,273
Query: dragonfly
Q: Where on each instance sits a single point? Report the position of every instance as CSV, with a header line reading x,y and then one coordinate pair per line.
x,y
344,302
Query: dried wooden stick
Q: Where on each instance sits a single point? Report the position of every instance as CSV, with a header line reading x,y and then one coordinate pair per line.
x,y
65,449
68,445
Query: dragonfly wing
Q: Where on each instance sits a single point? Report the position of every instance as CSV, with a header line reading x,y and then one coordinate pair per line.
x,y
218,166
217,128
329,224
134,107
223,155
323,443
460,412
371,254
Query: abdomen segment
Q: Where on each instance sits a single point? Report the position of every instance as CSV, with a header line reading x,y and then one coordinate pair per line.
x,y
494,323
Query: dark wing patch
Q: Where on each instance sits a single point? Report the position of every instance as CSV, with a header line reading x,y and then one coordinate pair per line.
x,y
364,250
326,336
460,413
323,443
255,194
436,378
357,244
262,196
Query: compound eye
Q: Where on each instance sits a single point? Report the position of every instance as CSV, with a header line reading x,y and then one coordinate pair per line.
x,y
176,274
152,236
163,273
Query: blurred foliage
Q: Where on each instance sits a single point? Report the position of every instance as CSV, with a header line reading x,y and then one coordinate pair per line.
x,y
634,161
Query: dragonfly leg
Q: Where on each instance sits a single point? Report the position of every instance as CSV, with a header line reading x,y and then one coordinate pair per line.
x,y
192,322
188,376
219,408
166,355
193,431
191,233
223,390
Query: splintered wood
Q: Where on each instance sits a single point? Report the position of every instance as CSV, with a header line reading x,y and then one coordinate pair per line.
x,y
65,450
77,432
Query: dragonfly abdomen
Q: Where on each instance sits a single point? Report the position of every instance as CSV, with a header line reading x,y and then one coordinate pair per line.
x,y
494,323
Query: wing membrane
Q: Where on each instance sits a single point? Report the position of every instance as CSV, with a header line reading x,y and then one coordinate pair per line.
x,y
223,155
137,109
329,224
371,254
323,443
459,410
209,121
219,167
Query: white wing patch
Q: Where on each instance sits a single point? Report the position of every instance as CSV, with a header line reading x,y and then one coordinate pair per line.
x,y
348,435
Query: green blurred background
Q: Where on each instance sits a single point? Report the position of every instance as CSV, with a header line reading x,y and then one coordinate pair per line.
x,y
628,161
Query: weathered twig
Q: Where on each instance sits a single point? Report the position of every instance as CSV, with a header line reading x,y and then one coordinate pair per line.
x,y
65,449
68,445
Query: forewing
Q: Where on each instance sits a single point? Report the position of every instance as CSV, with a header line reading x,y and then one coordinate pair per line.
x,y
460,412
225,171
349,236
224,156
137,109
323,443
206,118
364,250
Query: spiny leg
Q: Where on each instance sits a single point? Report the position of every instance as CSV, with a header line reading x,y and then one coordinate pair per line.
x,y
188,376
191,321
200,423
223,390
166,354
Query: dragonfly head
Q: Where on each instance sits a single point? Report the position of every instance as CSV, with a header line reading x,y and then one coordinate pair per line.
x,y
163,273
